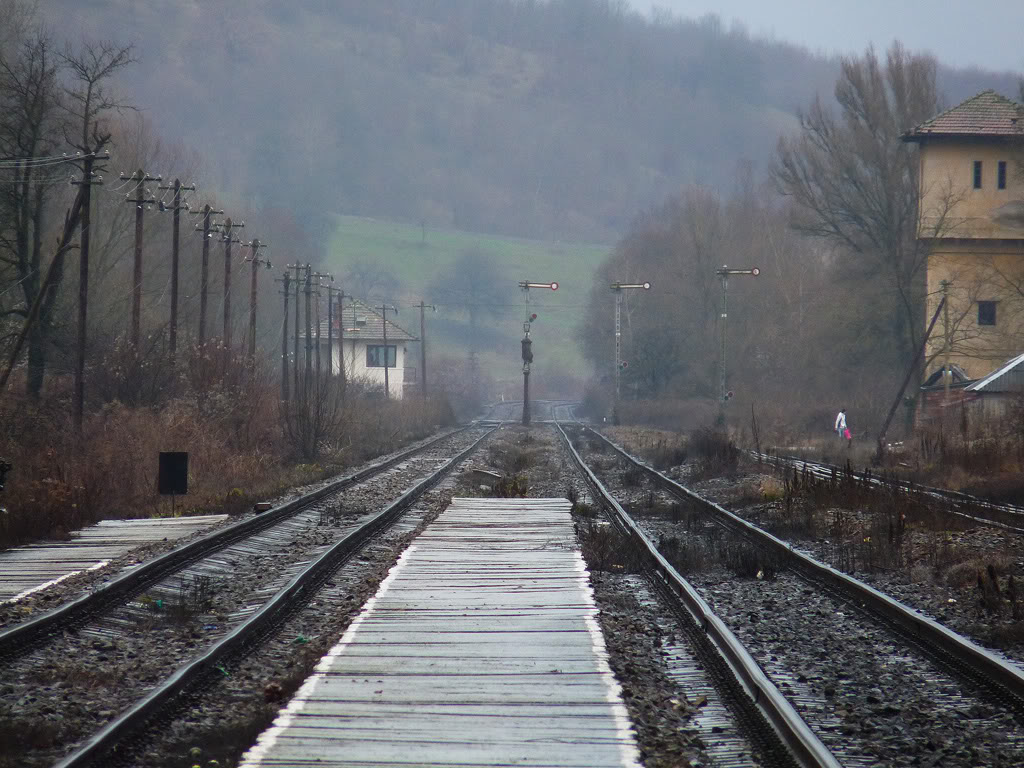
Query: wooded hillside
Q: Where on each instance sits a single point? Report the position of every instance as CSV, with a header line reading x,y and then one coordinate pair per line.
x,y
554,119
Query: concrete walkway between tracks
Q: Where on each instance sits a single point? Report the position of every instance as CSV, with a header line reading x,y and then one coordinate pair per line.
x,y
481,648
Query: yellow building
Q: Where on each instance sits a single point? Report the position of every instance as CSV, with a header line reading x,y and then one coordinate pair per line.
x,y
971,214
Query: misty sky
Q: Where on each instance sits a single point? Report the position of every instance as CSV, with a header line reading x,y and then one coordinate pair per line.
x,y
984,33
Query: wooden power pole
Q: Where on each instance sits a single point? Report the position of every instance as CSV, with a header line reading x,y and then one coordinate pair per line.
x,y
228,238
256,261
204,275
88,179
423,347
286,279
141,201
172,334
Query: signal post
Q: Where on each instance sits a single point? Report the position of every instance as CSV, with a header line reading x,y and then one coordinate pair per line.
x,y
617,289
526,285
723,393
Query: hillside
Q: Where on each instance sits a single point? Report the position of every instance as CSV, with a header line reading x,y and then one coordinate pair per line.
x,y
382,258
557,120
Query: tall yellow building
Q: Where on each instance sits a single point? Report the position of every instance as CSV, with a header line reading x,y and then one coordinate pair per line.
x,y
971,214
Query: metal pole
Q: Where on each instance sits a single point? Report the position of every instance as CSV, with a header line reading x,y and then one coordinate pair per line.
x,y
526,363
618,342
721,354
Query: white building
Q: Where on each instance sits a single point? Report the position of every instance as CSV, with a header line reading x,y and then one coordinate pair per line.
x,y
358,344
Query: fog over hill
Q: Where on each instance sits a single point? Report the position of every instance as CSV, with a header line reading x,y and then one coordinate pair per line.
x,y
556,119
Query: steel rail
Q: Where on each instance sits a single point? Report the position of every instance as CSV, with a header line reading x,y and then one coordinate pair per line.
x,y
993,671
22,637
298,591
776,709
975,504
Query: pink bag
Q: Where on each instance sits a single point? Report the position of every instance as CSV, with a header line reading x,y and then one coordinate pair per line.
x,y
846,433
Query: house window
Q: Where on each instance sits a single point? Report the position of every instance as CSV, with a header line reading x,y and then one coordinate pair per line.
x,y
375,355
986,313
977,174
1002,175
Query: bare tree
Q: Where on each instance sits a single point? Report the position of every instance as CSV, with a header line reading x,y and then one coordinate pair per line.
x,y
856,184
29,137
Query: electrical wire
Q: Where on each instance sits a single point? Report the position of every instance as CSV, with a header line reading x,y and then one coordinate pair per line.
x,y
39,162
12,286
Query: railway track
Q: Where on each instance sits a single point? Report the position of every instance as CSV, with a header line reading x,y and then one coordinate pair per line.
x,y
876,680
970,508
28,635
231,592
765,717
804,666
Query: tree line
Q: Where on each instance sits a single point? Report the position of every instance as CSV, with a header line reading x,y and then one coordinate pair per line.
x,y
838,311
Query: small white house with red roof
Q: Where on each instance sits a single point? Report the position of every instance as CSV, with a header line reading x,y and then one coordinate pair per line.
x,y
364,346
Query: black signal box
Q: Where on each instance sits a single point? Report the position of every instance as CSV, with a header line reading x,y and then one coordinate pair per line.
x,y
173,476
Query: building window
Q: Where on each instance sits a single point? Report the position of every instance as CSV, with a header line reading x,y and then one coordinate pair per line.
x,y
977,174
375,355
986,313
1002,174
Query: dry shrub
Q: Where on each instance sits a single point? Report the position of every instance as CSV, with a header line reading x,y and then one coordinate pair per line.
x,y
675,415
965,573
714,453
606,549
231,430
771,488
511,487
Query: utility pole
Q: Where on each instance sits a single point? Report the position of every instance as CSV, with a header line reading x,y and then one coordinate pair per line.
x,y
172,335
331,290
295,365
387,357
309,331
141,201
284,340
204,275
86,183
947,374
723,393
423,347
319,284
228,238
527,344
256,261
617,289
341,337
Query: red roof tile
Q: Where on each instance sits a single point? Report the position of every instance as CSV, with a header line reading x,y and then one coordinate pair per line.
x,y
987,114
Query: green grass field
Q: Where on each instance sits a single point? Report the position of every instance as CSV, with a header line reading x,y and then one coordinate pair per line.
x,y
415,262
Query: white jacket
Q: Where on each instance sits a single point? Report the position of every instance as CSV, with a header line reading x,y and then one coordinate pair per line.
x,y
840,422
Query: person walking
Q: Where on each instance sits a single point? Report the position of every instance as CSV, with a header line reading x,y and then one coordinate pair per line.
x,y
841,429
